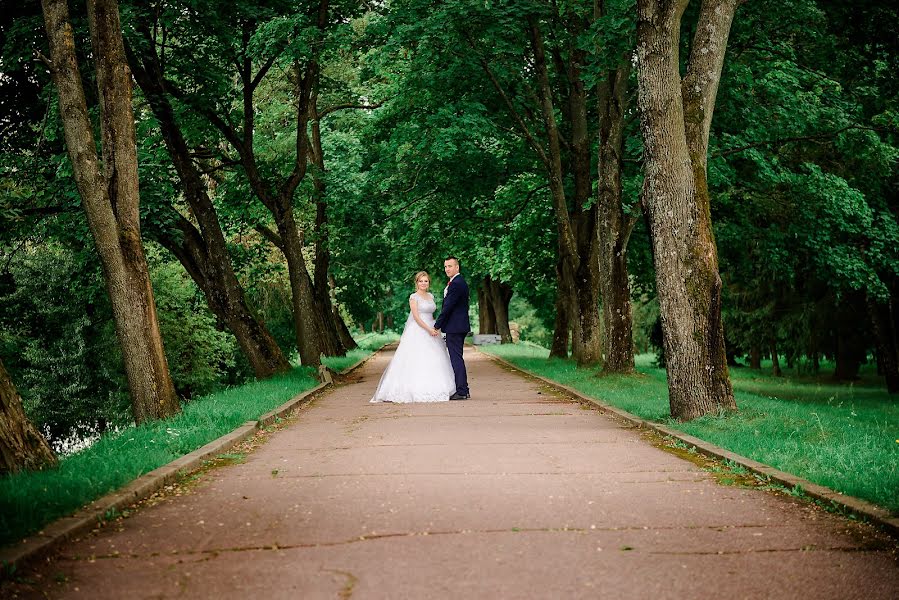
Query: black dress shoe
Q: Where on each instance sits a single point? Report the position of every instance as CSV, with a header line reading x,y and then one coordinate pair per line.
x,y
460,397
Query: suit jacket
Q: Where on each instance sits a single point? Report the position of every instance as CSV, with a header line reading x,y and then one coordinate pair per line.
x,y
453,316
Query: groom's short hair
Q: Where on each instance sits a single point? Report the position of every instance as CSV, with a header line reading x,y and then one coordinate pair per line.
x,y
458,262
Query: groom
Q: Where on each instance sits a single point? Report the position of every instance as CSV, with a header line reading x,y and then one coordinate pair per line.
x,y
453,321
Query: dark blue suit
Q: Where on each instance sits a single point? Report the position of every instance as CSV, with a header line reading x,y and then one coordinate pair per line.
x,y
453,321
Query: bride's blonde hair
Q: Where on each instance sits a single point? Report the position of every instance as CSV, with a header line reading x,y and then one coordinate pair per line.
x,y
418,276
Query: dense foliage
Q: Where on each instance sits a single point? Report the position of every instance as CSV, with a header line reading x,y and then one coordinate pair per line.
x,y
423,157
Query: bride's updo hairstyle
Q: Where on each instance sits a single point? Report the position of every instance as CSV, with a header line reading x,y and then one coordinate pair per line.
x,y
418,276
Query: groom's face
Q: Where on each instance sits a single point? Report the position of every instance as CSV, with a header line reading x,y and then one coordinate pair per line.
x,y
451,267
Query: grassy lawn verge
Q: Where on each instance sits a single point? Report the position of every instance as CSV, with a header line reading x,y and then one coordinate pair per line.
x,y
368,343
843,436
29,501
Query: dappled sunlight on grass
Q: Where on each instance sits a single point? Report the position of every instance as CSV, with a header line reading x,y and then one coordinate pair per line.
x,y
843,436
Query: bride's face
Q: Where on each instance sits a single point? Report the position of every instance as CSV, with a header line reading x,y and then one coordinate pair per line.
x,y
423,284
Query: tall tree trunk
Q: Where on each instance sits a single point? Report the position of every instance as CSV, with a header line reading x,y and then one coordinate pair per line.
x,y
577,305
330,317
585,219
110,197
586,346
22,447
775,360
307,316
614,227
204,253
486,316
577,273
561,327
225,297
886,341
755,357
342,330
676,117
500,293
311,322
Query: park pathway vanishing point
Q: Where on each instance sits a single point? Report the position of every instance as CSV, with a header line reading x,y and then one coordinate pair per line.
x,y
516,493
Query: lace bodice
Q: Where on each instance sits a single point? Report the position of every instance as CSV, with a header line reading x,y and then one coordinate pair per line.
x,y
426,306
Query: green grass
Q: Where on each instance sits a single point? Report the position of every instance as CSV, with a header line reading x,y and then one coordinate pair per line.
x,y
28,501
367,344
843,436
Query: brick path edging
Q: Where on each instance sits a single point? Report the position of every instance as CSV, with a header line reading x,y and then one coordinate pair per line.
x,y
85,519
850,504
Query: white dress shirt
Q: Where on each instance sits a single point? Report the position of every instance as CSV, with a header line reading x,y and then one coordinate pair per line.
x,y
446,289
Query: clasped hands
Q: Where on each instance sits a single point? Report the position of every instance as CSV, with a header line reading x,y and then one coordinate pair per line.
x,y
434,332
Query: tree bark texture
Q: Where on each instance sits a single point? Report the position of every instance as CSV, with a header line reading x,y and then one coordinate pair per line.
x,y
110,196
22,447
578,272
308,321
499,294
676,117
203,252
755,357
330,317
486,316
561,328
614,228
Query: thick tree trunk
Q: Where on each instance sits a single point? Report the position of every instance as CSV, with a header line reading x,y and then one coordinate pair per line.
x,y
315,331
225,298
676,118
583,283
307,317
486,316
110,197
614,227
561,328
204,253
500,294
886,341
346,338
755,357
577,272
22,447
334,345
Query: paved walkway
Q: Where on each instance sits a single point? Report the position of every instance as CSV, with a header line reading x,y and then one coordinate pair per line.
x,y
516,493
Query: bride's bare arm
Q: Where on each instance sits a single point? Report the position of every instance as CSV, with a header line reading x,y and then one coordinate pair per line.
x,y
413,304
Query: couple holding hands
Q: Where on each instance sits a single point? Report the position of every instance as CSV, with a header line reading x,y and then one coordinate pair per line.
x,y
425,368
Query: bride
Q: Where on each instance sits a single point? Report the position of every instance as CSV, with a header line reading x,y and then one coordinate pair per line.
x,y
420,370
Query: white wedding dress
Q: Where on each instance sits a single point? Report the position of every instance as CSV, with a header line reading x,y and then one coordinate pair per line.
x,y
420,370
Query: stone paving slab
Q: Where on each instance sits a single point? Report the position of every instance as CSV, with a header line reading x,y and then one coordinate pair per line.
x,y
516,493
